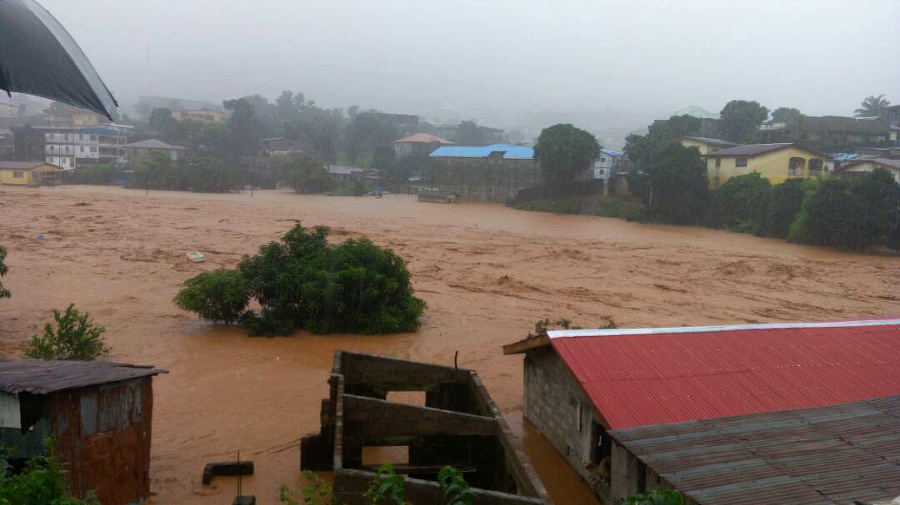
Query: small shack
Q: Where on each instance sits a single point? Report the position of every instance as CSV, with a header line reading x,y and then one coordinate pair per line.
x,y
437,196
99,415
29,173
457,425
580,385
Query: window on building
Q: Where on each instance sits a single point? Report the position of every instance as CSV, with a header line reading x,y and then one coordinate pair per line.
x,y
580,429
93,149
601,445
18,175
718,162
94,138
716,181
602,160
740,162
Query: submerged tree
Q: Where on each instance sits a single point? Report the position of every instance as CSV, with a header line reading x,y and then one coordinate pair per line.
x,y
302,282
72,335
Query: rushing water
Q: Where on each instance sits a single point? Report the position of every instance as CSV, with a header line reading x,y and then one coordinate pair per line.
x,y
487,272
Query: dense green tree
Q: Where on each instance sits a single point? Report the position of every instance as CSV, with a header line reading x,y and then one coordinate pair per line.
x,y
640,148
72,335
469,134
306,174
302,282
673,185
219,296
161,120
873,106
4,293
564,151
739,204
741,120
785,114
781,207
365,134
246,129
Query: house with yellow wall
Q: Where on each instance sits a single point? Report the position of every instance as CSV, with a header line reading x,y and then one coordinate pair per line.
x,y
776,162
706,145
860,168
29,173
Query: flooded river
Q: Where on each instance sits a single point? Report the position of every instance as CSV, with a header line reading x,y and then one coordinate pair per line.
x,y
487,273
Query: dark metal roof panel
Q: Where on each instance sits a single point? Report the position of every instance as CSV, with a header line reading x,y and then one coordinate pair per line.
x,y
48,376
825,455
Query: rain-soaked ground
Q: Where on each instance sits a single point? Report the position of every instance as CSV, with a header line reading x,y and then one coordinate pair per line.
x,y
487,272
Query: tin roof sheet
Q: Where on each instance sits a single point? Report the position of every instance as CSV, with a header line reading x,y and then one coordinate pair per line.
x,y
825,455
642,377
48,376
509,151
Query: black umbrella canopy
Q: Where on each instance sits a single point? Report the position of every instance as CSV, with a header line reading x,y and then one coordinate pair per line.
x,y
39,57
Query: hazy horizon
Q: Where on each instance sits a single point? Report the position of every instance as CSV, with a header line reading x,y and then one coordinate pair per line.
x,y
498,61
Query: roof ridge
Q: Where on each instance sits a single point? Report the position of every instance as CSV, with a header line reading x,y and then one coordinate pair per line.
x,y
711,329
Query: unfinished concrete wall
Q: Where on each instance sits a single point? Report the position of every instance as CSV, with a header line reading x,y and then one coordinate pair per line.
x,y
491,179
459,425
557,406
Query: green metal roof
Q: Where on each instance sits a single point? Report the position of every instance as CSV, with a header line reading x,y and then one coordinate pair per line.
x,y
693,110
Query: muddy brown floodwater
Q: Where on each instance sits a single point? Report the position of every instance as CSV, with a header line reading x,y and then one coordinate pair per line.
x,y
487,272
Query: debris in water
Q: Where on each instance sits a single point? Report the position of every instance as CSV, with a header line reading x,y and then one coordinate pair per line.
x,y
196,257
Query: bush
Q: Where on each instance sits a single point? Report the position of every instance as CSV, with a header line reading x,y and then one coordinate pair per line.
x,y
662,496
205,175
95,174
302,282
4,293
781,207
850,215
75,337
739,203
307,175
42,482
220,296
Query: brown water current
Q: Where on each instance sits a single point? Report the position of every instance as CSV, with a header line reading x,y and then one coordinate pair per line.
x,y
487,272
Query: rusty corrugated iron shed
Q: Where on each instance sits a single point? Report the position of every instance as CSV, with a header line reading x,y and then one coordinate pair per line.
x,y
825,455
642,377
48,376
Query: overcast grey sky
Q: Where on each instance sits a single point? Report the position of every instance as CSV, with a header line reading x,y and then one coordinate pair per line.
x,y
498,56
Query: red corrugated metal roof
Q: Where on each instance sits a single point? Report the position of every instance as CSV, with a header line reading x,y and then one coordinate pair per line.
x,y
658,377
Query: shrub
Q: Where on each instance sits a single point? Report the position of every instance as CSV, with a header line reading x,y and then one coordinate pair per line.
x,y
95,174
387,487
220,296
739,203
662,496
781,207
302,282
454,488
42,482
205,175
4,293
315,492
307,175
75,337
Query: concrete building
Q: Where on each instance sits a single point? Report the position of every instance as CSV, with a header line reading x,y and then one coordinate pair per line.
x,y
446,417
494,173
29,173
582,385
609,162
138,151
706,145
860,168
202,115
9,110
72,147
99,415
776,162
829,133
842,454
418,145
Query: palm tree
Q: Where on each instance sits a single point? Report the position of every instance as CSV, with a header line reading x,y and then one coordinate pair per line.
x,y
873,106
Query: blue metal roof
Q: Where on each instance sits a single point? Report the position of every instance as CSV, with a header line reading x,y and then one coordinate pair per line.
x,y
612,152
509,152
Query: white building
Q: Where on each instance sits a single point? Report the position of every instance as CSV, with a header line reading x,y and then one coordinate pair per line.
x,y
71,148
609,161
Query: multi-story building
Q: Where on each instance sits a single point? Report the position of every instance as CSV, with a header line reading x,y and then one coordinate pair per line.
x,y
829,133
202,115
776,162
609,162
72,147
484,174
